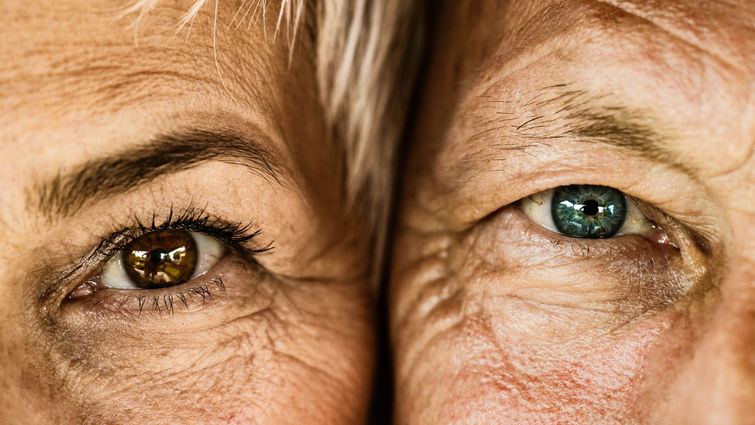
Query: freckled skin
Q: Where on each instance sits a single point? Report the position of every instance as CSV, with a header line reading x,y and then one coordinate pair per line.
x,y
281,338
497,320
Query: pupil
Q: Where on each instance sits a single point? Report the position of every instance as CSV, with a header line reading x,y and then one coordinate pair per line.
x,y
158,256
591,207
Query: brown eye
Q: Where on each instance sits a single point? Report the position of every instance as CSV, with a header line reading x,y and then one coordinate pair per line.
x,y
160,259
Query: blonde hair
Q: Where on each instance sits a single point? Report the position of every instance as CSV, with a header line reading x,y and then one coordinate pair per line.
x,y
367,56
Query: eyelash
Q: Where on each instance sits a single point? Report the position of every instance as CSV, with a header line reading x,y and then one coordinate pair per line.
x,y
235,234
169,300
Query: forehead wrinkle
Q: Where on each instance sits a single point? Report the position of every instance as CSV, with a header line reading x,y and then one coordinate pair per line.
x,y
66,74
112,80
525,43
595,124
692,34
561,24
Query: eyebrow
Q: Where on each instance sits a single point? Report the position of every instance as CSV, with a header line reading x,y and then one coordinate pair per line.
x,y
105,177
574,114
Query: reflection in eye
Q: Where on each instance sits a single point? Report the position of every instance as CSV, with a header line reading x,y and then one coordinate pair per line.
x,y
162,258
586,211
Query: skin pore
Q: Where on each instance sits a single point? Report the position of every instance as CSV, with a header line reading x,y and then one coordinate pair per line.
x,y
497,319
111,131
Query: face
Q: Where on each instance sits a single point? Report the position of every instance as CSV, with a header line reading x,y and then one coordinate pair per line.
x,y
576,241
173,245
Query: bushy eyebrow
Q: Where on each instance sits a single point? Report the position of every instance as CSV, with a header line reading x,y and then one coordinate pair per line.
x,y
105,177
563,112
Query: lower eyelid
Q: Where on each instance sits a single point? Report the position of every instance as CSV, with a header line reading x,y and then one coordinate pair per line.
x,y
187,297
570,246
224,281
645,274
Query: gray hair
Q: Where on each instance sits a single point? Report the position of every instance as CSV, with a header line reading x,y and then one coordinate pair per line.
x,y
367,57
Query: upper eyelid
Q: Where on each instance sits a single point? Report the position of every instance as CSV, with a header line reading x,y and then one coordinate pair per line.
x,y
495,184
552,119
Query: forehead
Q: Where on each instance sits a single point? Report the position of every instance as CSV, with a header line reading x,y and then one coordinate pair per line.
x,y
714,27
76,64
78,80
689,64
677,38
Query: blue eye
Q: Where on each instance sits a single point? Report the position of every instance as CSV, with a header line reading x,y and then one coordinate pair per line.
x,y
584,211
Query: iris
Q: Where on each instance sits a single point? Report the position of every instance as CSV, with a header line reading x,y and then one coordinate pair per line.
x,y
161,258
586,211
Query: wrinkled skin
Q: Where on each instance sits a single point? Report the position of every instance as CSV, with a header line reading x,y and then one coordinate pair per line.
x,y
287,337
494,318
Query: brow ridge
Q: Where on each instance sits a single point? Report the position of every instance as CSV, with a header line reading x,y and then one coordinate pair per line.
x,y
586,117
118,173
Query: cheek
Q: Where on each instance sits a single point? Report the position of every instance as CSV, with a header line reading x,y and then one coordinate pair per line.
x,y
473,373
281,354
511,324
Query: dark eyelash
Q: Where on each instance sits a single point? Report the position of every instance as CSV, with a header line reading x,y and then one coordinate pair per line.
x,y
169,301
194,219
166,303
183,297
